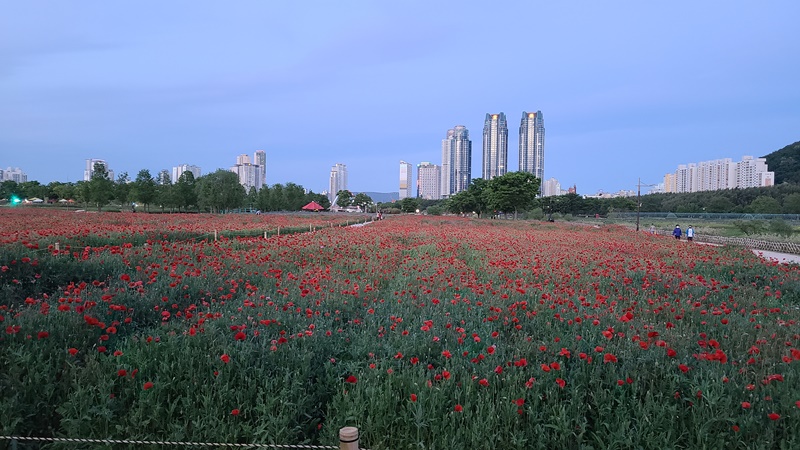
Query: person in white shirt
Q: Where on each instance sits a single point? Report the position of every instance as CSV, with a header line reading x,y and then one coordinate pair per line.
x,y
689,233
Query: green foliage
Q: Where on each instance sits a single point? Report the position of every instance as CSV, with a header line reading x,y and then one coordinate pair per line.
x,y
144,189
471,200
513,191
765,205
780,228
786,164
362,200
434,210
100,187
409,205
344,198
749,227
220,190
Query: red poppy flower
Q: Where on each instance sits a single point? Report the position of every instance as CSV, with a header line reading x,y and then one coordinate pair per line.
x,y
240,336
746,405
235,412
122,372
351,379
42,334
609,358
774,416
413,397
458,408
683,367
147,386
225,358
484,382
73,351
561,383
519,402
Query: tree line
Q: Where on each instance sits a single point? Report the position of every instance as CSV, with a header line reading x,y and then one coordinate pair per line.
x,y
215,192
513,192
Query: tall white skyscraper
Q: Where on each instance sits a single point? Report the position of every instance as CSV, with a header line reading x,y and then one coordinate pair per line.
x,y
456,161
405,180
177,171
89,170
260,158
495,146
338,180
250,175
531,144
429,181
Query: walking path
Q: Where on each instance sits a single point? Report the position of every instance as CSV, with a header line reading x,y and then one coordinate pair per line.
x,y
780,257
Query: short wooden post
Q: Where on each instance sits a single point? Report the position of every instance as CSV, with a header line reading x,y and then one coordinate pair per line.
x,y
348,438
58,247
215,235
265,234
309,227
279,231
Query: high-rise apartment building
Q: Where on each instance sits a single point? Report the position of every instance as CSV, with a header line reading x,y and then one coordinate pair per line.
x,y
177,171
338,180
531,144
551,188
456,161
260,158
429,181
405,180
89,170
13,174
719,174
250,175
495,146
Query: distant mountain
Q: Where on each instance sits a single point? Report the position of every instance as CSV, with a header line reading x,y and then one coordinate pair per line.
x,y
785,163
383,197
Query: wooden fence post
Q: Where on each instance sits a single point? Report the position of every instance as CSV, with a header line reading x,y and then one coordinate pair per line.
x,y
348,438
215,235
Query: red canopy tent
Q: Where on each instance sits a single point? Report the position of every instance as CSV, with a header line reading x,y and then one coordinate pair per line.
x,y
313,206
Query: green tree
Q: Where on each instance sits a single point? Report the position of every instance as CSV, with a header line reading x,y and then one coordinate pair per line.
x,y
62,190
295,196
765,205
100,187
791,204
362,200
345,198
719,204
185,193
323,200
513,191
409,205
165,193
144,189
122,188
220,190
471,200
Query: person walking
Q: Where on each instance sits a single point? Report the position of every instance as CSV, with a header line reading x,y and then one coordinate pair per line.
x,y
689,233
677,232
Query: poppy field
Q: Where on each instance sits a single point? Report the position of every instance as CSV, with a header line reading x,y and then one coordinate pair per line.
x,y
423,332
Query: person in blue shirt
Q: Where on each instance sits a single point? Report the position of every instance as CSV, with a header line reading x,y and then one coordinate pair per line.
x,y
677,232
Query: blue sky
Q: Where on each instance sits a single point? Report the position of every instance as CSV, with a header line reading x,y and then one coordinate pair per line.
x,y
628,89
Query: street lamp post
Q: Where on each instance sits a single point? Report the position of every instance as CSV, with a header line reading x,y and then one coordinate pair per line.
x,y
638,200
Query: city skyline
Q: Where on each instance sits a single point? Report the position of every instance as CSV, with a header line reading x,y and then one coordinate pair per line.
x,y
626,96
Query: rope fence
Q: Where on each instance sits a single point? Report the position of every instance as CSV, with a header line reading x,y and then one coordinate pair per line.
x,y
755,244
348,440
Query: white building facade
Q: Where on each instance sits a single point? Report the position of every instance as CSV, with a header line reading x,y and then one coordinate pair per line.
x,y
177,171
719,174
13,174
88,171
429,181
405,180
338,181
250,175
